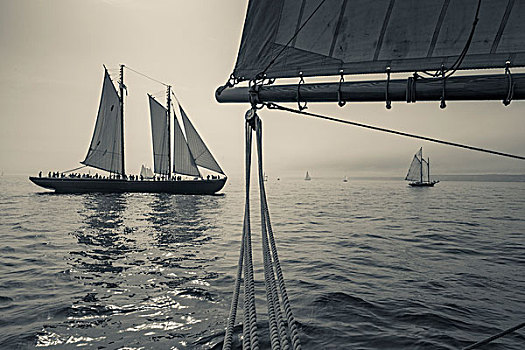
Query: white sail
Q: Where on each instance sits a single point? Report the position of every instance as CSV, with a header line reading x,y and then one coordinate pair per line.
x,y
146,172
105,150
307,177
160,136
183,161
414,171
200,152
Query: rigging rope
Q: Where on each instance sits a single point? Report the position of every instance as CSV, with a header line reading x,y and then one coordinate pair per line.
x,y
147,76
272,105
283,331
494,337
68,171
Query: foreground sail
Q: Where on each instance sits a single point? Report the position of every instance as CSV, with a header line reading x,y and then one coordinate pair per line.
x,y
369,36
419,171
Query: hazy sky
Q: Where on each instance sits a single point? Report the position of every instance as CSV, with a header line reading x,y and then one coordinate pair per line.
x,y
52,53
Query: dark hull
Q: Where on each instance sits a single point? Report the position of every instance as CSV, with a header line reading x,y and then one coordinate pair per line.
x,y
82,185
423,184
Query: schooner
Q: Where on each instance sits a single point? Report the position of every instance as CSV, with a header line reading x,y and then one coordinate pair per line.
x,y
177,167
419,171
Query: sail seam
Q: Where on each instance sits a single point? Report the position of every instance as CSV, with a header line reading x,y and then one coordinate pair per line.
x,y
437,30
383,29
502,26
338,27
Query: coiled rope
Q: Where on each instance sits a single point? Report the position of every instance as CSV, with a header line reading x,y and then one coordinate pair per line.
x,y
283,330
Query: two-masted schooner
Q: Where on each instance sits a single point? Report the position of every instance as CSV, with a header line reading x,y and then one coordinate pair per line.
x,y
177,167
419,171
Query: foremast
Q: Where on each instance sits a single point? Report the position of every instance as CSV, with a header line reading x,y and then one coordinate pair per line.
x,y
168,107
122,87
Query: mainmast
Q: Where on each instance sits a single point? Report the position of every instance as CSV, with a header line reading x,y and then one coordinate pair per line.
x,y
121,85
168,102
428,169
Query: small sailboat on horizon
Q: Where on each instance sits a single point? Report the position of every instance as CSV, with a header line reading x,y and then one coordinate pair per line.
x,y
419,171
307,177
345,179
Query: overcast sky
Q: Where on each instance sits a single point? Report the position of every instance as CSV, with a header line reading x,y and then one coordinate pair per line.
x,y
51,73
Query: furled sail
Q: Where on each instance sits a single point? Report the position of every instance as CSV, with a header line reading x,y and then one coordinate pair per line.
x,y
414,172
183,161
105,148
363,36
200,152
160,135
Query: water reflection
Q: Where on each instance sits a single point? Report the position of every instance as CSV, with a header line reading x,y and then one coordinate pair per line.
x,y
182,219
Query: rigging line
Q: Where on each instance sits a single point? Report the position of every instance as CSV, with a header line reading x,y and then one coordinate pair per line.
x,y
68,171
146,76
494,337
390,131
291,39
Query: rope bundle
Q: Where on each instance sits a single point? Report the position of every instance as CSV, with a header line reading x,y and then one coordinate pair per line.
x,y
283,328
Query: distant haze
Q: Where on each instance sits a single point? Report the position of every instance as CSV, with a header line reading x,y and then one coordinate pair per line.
x,y
51,75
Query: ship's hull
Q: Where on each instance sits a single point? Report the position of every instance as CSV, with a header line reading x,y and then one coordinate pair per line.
x,y
87,185
423,184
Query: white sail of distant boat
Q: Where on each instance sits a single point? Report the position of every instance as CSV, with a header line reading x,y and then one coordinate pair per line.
x,y
146,173
105,150
419,171
307,177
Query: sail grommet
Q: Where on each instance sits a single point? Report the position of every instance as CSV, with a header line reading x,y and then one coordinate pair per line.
x,y
340,101
299,99
442,104
510,90
387,98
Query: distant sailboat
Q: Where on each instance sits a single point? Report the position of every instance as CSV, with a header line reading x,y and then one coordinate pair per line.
x,y
345,179
146,173
106,152
419,171
307,177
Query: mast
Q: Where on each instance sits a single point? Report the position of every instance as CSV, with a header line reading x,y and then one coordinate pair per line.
x,y
121,85
421,164
428,169
168,101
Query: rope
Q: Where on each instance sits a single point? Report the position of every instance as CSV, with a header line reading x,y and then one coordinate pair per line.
x,y
494,337
283,332
68,171
146,76
390,131
265,215
277,331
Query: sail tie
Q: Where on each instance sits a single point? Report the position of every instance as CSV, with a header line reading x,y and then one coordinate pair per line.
x,y
271,105
283,327
340,101
510,90
443,105
299,99
387,98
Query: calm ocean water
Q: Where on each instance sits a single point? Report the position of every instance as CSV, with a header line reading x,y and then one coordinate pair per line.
x,y
368,265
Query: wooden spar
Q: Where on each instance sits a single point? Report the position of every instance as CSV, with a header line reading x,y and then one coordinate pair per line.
x,y
121,85
458,88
